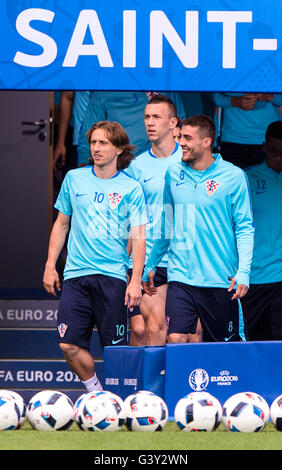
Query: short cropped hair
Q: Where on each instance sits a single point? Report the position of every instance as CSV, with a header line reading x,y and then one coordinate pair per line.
x,y
274,130
205,124
119,138
159,98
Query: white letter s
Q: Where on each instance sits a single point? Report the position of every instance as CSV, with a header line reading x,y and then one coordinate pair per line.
x,y
49,46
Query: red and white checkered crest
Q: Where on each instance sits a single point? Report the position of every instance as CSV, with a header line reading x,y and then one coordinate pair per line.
x,y
212,186
62,328
115,199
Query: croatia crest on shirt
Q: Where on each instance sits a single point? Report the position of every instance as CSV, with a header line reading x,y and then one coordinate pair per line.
x,y
62,328
211,187
115,199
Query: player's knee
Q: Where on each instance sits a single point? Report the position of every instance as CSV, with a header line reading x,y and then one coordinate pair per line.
x,y
155,327
138,331
69,350
137,326
177,338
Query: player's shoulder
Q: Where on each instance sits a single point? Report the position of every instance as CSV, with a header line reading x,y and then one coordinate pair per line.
x,y
230,169
140,159
255,170
78,172
175,168
128,180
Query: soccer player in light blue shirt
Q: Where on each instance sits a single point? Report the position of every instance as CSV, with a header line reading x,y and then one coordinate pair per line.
x,y
244,120
100,206
208,228
149,169
262,305
125,107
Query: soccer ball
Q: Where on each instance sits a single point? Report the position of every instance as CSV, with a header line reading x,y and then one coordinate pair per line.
x,y
20,403
145,411
244,412
100,411
198,411
50,410
10,413
78,408
276,412
263,403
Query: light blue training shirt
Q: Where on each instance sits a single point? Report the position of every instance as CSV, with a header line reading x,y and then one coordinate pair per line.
x,y
207,224
150,171
102,212
246,127
266,193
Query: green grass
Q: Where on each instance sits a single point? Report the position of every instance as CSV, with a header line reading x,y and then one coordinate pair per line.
x,y
171,438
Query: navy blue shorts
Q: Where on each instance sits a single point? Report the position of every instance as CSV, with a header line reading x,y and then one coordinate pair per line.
x,y
262,309
160,279
221,318
92,300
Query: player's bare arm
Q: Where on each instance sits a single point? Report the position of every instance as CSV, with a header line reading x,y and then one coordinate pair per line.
x,y
57,241
138,240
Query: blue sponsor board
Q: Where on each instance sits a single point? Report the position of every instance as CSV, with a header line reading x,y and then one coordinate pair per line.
x,y
175,370
222,369
209,45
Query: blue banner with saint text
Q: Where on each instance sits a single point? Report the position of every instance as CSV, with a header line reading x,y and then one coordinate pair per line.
x,y
207,45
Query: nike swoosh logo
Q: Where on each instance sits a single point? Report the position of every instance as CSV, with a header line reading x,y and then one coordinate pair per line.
x,y
261,192
78,195
227,339
117,341
148,179
179,184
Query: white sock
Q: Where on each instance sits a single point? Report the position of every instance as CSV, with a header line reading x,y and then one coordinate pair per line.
x,y
93,384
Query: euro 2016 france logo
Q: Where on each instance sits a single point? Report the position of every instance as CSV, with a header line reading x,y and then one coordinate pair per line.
x,y
198,380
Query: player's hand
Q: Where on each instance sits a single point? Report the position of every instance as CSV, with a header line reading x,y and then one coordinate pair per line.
x,y
149,287
133,295
51,280
60,156
240,291
265,96
245,102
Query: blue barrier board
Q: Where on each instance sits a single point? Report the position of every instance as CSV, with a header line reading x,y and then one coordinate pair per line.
x,y
128,369
222,369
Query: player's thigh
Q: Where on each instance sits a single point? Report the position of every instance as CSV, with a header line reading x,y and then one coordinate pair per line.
x,y
110,312
75,315
181,310
153,307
